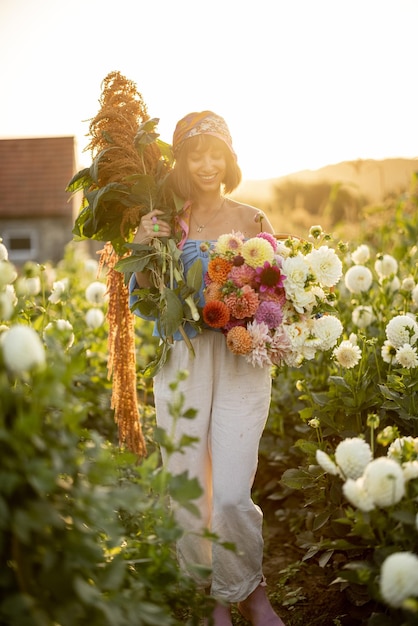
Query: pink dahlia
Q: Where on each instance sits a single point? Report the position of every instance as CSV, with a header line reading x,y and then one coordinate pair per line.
x,y
269,277
270,313
270,238
242,275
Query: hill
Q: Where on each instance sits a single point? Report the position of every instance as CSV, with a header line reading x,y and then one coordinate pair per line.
x,y
374,179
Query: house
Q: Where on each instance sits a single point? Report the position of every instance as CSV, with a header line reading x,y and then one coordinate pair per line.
x,y
36,213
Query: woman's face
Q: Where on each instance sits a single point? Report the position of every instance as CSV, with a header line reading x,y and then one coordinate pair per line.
x,y
207,168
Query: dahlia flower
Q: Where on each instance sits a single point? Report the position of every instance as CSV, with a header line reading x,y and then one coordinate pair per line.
x,y
296,271
362,316
399,578
406,356
357,495
358,278
239,340
229,245
384,481
58,288
408,284
403,449
269,278
410,470
8,301
29,286
94,317
327,329
347,354
260,339
327,464
256,251
269,312
386,265
402,329
242,275
361,255
8,273
388,352
279,346
302,299
243,303
270,238
22,349
325,265
352,456
213,291
95,292
4,253
216,314
218,269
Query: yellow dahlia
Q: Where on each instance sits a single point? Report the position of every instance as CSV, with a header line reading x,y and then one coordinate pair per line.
x,y
239,340
256,251
228,245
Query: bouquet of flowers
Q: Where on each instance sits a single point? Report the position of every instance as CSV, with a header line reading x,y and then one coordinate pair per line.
x,y
272,299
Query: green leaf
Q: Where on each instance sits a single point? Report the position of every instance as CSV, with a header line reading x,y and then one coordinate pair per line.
x,y
195,275
171,312
133,263
80,181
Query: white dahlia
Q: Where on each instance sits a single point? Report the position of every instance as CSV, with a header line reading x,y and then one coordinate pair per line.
x,y
22,349
361,255
352,456
362,316
384,481
402,329
357,495
358,278
399,578
347,354
325,265
386,265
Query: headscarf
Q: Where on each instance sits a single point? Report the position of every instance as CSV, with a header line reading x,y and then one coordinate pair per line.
x,y
203,123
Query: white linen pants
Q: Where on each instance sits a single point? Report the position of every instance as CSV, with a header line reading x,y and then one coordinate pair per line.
x,y
232,398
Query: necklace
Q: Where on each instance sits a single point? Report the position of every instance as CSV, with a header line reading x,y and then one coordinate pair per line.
x,y
200,227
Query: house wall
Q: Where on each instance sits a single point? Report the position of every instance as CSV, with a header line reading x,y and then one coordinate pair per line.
x,y
39,239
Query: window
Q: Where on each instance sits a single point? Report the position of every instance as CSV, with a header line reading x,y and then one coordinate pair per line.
x,y
21,243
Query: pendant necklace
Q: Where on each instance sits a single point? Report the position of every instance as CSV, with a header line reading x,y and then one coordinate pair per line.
x,y
200,227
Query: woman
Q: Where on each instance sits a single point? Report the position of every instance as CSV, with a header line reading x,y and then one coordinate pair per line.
x,y
231,396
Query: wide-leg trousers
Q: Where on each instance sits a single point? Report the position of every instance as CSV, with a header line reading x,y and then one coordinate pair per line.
x,y
232,399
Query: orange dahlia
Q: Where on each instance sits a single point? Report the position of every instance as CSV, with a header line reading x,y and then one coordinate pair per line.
x,y
239,340
218,269
216,314
243,303
213,292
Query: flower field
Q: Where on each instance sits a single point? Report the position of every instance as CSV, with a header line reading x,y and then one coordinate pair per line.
x,y
86,535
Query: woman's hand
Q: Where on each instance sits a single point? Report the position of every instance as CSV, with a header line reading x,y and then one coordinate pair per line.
x,y
151,226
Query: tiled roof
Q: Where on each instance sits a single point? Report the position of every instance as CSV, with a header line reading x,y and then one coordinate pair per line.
x,y
34,173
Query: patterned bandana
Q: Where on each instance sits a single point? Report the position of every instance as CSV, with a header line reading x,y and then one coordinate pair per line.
x,y
204,123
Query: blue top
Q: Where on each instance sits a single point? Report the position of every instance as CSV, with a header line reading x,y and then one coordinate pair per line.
x,y
193,249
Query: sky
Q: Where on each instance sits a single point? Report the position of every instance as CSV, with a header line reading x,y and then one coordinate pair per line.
x,y
301,83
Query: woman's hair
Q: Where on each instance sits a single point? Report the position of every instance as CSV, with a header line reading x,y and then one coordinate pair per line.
x,y
180,177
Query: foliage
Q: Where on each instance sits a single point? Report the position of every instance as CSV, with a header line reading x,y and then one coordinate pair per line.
x,y
86,534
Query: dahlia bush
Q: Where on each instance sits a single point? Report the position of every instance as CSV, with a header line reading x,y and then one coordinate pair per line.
x,y
358,451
